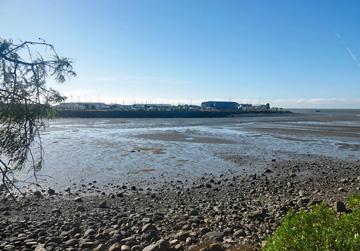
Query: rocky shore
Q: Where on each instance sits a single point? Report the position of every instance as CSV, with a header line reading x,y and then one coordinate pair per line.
x,y
210,213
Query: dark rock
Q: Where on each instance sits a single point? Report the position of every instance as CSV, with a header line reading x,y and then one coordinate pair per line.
x,y
148,228
86,244
214,235
56,211
115,247
89,232
80,209
216,247
78,199
259,214
51,191
194,212
163,245
340,207
151,247
103,204
136,248
71,242
37,194
182,235
240,233
341,189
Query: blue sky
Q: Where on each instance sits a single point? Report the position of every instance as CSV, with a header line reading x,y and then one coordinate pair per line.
x,y
288,53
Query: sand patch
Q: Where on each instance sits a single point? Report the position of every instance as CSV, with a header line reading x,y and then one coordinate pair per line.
x,y
154,150
352,147
143,170
182,137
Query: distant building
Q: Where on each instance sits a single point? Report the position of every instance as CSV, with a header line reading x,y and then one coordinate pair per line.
x,y
152,107
82,106
117,107
208,105
158,107
261,107
245,107
219,105
138,106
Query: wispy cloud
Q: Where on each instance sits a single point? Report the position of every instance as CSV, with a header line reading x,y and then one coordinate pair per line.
x,y
104,79
154,80
317,103
349,51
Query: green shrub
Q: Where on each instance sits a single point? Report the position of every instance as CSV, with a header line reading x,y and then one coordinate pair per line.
x,y
318,229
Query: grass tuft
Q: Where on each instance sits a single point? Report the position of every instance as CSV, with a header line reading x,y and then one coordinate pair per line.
x,y
318,229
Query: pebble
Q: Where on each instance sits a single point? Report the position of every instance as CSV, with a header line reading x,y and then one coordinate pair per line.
x,y
103,204
116,247
216,247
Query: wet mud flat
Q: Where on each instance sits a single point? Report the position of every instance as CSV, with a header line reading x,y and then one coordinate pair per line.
x,y
117,150
184,137
178,215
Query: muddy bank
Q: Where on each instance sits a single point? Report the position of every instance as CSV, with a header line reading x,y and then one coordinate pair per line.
x,y
185,137
177,215
117,150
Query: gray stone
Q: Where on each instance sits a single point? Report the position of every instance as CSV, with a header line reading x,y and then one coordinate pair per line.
x,y
71,242
80,209
151,247
216,247
37,194
259,214
10,247
163,245
194,212
51,191
40,247
87,244
103,204
214,235
239,233
148,228
89,232
100,247
182,235
125,248
56,211
78,199
136,248
160,245
115,247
